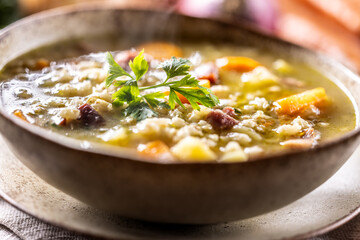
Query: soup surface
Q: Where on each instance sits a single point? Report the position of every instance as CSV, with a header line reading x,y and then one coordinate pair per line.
x,y
246,103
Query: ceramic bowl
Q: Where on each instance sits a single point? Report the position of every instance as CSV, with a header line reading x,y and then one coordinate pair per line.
x,y
187,193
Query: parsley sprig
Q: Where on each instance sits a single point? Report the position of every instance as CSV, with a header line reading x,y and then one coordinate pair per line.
x,y
142,106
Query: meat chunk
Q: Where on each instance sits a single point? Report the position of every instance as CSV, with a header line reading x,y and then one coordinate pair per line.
x,y
220,120
89,116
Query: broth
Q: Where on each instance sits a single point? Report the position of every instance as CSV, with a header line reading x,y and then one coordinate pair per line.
x,y
264,108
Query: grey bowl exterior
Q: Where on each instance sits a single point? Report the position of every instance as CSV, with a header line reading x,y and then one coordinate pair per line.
x,y
187,193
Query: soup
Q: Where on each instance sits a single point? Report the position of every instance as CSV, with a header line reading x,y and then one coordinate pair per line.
x,y
178,103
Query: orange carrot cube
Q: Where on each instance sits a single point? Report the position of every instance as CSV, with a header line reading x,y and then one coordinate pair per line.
x,y
297,103
239,64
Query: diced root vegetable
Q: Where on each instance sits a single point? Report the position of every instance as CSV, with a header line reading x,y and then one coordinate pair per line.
x,y
193,149
259,78
42,63
161,50
18,113
156,149
221,91
117,137
295,104
239,64
207,71
233,153
234,156
203,83
69,115
298,143
282,67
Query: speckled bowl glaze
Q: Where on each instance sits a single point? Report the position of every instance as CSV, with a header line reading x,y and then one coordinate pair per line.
x,y
117,180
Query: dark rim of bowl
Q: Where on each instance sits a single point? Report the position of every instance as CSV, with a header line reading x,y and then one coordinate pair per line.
x,y
130,154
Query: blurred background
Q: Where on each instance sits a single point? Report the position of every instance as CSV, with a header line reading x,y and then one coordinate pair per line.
x,y
329,26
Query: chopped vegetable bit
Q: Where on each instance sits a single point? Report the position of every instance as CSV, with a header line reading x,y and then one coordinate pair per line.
x,y
42,63
193,148
18,113
298,143
115,136
156,149
233,153
297,103
207,71
239,64
161,50
282,67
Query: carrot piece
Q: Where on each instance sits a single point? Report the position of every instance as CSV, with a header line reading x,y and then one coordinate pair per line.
x,y
239,64
203,83
182,98
155,149
295,104
161,50
42,63
207,71
18,113
298,143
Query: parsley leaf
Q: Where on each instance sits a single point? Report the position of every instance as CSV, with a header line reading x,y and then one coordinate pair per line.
x,y
139,66
187,81
196,96
139,110
175,67
237,111
189,87
174,98
115,71
143,106
127,93
152,98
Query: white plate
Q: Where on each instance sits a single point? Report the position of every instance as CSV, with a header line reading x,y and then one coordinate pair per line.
x,y
329,206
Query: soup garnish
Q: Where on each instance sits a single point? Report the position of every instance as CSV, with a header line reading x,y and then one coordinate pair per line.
x,y
142,106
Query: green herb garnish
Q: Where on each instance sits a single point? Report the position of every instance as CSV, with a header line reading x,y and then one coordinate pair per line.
x,y
144,106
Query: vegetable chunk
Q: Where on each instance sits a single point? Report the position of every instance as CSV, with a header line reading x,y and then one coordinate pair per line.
x,y
193,149
157,149
161,50
297,103
239,64
18,113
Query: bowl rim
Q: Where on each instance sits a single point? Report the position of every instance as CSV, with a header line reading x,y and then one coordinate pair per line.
x,y
131,154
